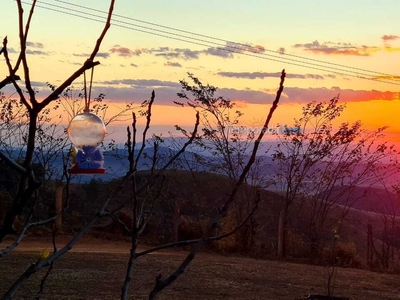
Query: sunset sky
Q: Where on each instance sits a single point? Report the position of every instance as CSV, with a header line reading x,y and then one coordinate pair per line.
x,y
357,34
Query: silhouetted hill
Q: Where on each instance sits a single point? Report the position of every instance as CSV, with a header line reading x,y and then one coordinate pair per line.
x,y
366,198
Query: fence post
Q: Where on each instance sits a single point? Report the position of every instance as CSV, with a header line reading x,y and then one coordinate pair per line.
x,y
176,217
370,246
281,234
58,204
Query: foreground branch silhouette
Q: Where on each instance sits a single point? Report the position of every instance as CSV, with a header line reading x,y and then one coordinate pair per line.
x,y
28,183
162,284
144,194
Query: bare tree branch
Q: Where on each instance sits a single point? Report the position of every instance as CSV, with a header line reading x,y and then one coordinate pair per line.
x,y
21,235
123,225
12,77
43,281
86,66
138,226
161,284
215,238
148,120
17,167
23,38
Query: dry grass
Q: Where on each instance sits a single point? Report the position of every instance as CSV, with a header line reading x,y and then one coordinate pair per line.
x,y
82,275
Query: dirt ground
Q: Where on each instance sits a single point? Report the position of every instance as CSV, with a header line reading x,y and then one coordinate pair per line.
x,y
95,270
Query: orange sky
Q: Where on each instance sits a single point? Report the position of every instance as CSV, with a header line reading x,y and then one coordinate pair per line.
x,y
134,63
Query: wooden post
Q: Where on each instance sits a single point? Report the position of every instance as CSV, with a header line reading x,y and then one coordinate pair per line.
x,y
281,233
176,217
370,246
59,204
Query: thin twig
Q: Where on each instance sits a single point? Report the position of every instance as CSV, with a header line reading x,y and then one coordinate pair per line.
x,y
86,66
143,220
123,225
148,120
12,77
17,167
23,38
214,238
161,284
43,281
21,235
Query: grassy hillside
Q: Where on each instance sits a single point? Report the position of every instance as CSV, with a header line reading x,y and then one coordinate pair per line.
x,y
199,195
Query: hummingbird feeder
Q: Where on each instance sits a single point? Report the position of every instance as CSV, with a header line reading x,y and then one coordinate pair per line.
x,y
86,132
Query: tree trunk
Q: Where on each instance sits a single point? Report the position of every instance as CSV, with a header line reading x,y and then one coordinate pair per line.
x,y
282,233
58,205
176,218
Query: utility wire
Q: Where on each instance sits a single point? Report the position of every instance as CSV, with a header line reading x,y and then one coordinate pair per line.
x,y
224,47
219,39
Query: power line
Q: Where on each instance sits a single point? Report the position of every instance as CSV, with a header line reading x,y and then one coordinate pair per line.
x,y
230,48
218,39
224,47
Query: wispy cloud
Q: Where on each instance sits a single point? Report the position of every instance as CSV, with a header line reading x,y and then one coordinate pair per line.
x,y
225,51
36,52
387,77
220,52
173,53
125,52
230,48
281,50
391,49
99,54
12,50
255,75
331,48
142,83
166,91
390,37
173,64
301,95
34,45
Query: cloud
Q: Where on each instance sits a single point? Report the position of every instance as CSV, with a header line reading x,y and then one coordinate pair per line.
x,y
39,84
125,52
331,48
36,52
72,63
257,48
99,54
391,49
140,89
281,50
11,50
390,37
34,45
142,83
387,77
301,95
230,48
173,64
220,52
173,53
255,75
224,51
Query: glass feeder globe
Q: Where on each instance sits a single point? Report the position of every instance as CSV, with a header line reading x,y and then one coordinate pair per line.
x,y
86,129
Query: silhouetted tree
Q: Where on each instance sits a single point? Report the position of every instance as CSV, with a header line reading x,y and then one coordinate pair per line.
x,y
317,164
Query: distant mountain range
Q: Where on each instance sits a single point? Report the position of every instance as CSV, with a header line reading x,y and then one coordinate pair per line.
x,y
198,160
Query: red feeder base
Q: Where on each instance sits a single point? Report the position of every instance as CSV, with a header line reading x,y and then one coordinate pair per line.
x,y
86,171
